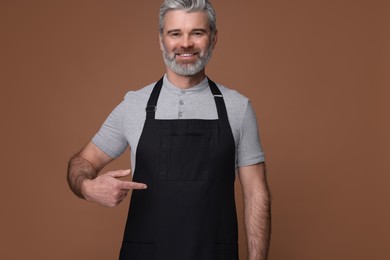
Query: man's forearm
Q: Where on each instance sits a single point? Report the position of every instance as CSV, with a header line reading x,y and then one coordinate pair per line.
x,y
79,169
258,225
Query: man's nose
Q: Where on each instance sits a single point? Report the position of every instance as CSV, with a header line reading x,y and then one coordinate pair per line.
x,y
187,41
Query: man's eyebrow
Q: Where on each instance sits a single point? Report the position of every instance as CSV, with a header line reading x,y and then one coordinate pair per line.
x,y
199,30
173,31
193,30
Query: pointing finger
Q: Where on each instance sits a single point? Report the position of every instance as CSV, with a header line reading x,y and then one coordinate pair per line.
x,y
130,185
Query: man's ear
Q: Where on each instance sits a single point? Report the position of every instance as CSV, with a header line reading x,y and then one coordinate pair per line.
x,y
215,39
160,41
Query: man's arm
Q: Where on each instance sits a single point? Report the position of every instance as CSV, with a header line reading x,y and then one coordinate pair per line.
x,y
105,189
257,210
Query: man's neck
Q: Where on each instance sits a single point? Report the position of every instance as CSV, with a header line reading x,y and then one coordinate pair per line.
x,y
185,82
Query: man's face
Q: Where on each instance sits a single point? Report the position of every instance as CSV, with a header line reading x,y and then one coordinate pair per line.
x,y
186,42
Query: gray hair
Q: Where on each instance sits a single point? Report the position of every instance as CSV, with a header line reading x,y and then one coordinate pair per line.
x,y
189,6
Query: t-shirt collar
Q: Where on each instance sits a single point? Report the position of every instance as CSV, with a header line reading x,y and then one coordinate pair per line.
x,y
197,88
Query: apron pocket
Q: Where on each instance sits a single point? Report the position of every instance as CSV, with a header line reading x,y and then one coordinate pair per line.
x,y
138,251
226,252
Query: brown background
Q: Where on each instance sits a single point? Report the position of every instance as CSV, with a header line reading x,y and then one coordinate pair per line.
x,y
317,73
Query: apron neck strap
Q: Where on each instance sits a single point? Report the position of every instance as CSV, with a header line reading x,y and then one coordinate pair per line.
x,y
152,102
220,103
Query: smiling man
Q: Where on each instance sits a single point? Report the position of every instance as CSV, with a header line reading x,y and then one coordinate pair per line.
x,y
187,42
188,137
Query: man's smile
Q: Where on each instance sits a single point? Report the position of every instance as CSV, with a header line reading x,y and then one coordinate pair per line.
x,y
186,55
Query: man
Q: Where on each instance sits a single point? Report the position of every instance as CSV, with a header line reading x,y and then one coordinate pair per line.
x,y
187,136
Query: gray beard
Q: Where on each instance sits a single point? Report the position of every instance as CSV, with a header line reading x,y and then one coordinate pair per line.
x,y
187,69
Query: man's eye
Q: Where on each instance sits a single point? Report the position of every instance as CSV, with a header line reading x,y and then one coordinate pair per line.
x,y
175,34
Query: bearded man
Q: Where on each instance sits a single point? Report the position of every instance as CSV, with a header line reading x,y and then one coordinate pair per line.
x,y
188,138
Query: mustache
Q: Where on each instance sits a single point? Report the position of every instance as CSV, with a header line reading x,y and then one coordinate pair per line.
x,y
184,51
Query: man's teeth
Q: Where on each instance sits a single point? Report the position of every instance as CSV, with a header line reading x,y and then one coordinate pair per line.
x,y
186,54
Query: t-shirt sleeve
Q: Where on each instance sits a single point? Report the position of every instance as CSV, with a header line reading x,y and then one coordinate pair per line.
x,y
249,150
110,138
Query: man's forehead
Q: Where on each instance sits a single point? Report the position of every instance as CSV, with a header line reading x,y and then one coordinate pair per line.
x,y
181,19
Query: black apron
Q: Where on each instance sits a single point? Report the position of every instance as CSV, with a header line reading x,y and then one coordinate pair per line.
x,y
188,211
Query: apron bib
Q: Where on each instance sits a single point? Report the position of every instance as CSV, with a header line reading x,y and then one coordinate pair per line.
x,y
188,211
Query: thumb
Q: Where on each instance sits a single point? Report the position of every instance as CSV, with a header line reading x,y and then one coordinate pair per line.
x,y
119,173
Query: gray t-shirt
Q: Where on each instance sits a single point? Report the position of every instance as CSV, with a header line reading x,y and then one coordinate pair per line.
x,y
124,125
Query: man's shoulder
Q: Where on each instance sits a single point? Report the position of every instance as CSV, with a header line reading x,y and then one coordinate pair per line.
x,y
139,94
135,100
232,96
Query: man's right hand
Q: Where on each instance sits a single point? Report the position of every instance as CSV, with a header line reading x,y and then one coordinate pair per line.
x,y
108,190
